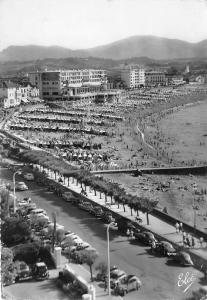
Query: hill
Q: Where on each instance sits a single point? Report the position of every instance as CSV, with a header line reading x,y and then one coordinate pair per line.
x,y
136,46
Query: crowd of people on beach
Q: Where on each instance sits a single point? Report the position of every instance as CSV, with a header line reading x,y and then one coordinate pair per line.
x,y
157,140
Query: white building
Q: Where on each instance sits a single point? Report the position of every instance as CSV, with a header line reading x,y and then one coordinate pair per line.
x,y
12,94
62,84
8,94
154,78
133,77
22,94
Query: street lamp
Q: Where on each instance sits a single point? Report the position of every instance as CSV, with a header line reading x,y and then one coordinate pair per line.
x,y
108,252
19,172
194,208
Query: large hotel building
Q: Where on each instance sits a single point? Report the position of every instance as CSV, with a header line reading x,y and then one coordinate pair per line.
x,y
137,76
69,84
133,77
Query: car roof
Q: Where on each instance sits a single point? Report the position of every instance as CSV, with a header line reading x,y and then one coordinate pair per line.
x,y
40,264
121,272
148,233
184,254
37,210
165,243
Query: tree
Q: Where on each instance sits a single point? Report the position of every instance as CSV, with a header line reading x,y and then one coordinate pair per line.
x,y
27,252
102,268
89,258
131,203
15,230
137,206
8,271
4,198
148,206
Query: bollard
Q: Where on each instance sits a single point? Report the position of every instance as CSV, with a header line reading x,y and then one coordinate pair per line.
x,y
57,256
92,292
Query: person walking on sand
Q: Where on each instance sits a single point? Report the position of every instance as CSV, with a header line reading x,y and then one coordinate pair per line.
x,y
193,242
201,241
131,234
128,233
184,239
188,238
180,227
177,227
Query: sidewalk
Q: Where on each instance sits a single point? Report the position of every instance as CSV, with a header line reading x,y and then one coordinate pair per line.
x,y
159,227
84,273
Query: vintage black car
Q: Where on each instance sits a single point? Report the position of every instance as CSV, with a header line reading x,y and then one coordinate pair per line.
x,y
97,212
40,271
146,237
164,248
182,258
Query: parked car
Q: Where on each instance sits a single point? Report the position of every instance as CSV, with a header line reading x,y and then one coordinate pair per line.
x,y
72,239
128,284
21,186
116,277
78,247
87,206
24,272
97,211
82,246
81,204
132,282
183,258
145,237
113,269
67,196
40,271
27,209
22,203
164,248
107,217
38,211
29,176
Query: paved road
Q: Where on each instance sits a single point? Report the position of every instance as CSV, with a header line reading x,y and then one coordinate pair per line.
x,y
159,279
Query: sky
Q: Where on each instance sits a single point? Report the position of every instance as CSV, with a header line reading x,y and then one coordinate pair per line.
x,y
80,24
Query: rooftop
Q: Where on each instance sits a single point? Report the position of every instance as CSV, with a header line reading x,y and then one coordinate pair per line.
x,y
7,84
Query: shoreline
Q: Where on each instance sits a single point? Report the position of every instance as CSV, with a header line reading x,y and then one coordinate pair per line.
x,y
158,117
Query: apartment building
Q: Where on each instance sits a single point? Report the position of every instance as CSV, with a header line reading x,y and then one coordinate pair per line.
x,y
8,94
205,78
12,94
154,78
133,77
64,84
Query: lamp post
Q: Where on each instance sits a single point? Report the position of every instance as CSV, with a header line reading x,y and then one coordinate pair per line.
x,y
14,200
194,209
108,255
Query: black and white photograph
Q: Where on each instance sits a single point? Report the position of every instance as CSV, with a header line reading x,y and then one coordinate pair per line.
x,y
103,149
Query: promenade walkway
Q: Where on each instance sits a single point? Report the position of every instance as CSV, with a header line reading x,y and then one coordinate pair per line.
x,y
82,271
159,227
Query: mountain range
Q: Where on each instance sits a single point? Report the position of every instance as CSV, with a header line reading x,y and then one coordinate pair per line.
x,y
136,46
